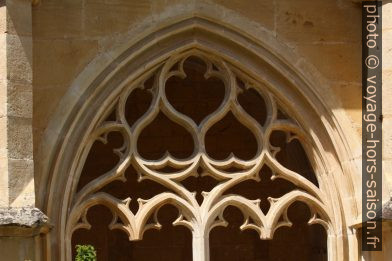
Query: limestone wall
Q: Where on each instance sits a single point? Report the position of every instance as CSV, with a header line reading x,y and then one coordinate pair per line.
x,y
68,35
16,148
72,40
387,92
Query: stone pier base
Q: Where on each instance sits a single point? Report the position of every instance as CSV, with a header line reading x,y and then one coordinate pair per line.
x,y
21,231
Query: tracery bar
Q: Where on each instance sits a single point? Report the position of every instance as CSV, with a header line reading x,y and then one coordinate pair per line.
x,y
173,167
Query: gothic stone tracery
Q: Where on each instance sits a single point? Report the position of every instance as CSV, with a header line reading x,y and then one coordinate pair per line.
x,y
228,168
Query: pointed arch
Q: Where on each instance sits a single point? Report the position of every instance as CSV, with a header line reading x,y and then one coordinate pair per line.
x,y
258,61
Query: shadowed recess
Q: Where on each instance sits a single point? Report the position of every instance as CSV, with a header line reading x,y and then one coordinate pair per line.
x,y
229,136
169,244
199,184
231,168
293,156
163,135
281,115
169,169
100,159
111,116
252,102
252,189
138,102
300,242
133,189
195,96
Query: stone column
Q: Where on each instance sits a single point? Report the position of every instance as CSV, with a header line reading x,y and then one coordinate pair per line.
x,y
20,222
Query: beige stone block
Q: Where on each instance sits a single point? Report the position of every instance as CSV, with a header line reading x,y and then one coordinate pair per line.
x,y
387,174
318,21
3,136
3,97
104,18
19,58
58,62
387,92
337,62
20,100
45,103
17,248
4,188
350,95
58,4
20,140
58,19
261,12
3,19
19,17
3,56
21,182
387,13
163,10
387,137
387,50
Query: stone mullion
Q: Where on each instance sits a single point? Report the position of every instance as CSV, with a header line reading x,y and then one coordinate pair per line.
x,y
200,247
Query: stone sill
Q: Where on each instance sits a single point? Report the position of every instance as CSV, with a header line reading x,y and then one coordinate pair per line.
x,y
24,222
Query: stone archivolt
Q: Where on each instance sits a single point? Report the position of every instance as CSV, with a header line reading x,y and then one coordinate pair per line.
x,y
199,217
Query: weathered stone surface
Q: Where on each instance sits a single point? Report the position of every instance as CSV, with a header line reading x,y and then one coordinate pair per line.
x,y
4,188
69,35
49,16
19,58
387,210
387,44
302,21
17,183
18,18
58,62
19,138
350,103
17,248
261,12
3,55
21,181
3,136
3,98
20,100
387,138
25,217
101,17
336,62
387,12
387,92
3,19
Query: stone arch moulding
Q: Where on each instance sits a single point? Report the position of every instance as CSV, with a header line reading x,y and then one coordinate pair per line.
x,y
294,92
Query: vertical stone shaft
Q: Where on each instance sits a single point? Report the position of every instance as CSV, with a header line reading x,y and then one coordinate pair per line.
x,y
16,142
20,223
200,247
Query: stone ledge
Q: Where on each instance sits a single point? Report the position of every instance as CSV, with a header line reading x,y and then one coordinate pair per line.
x,y
23,221
24,217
